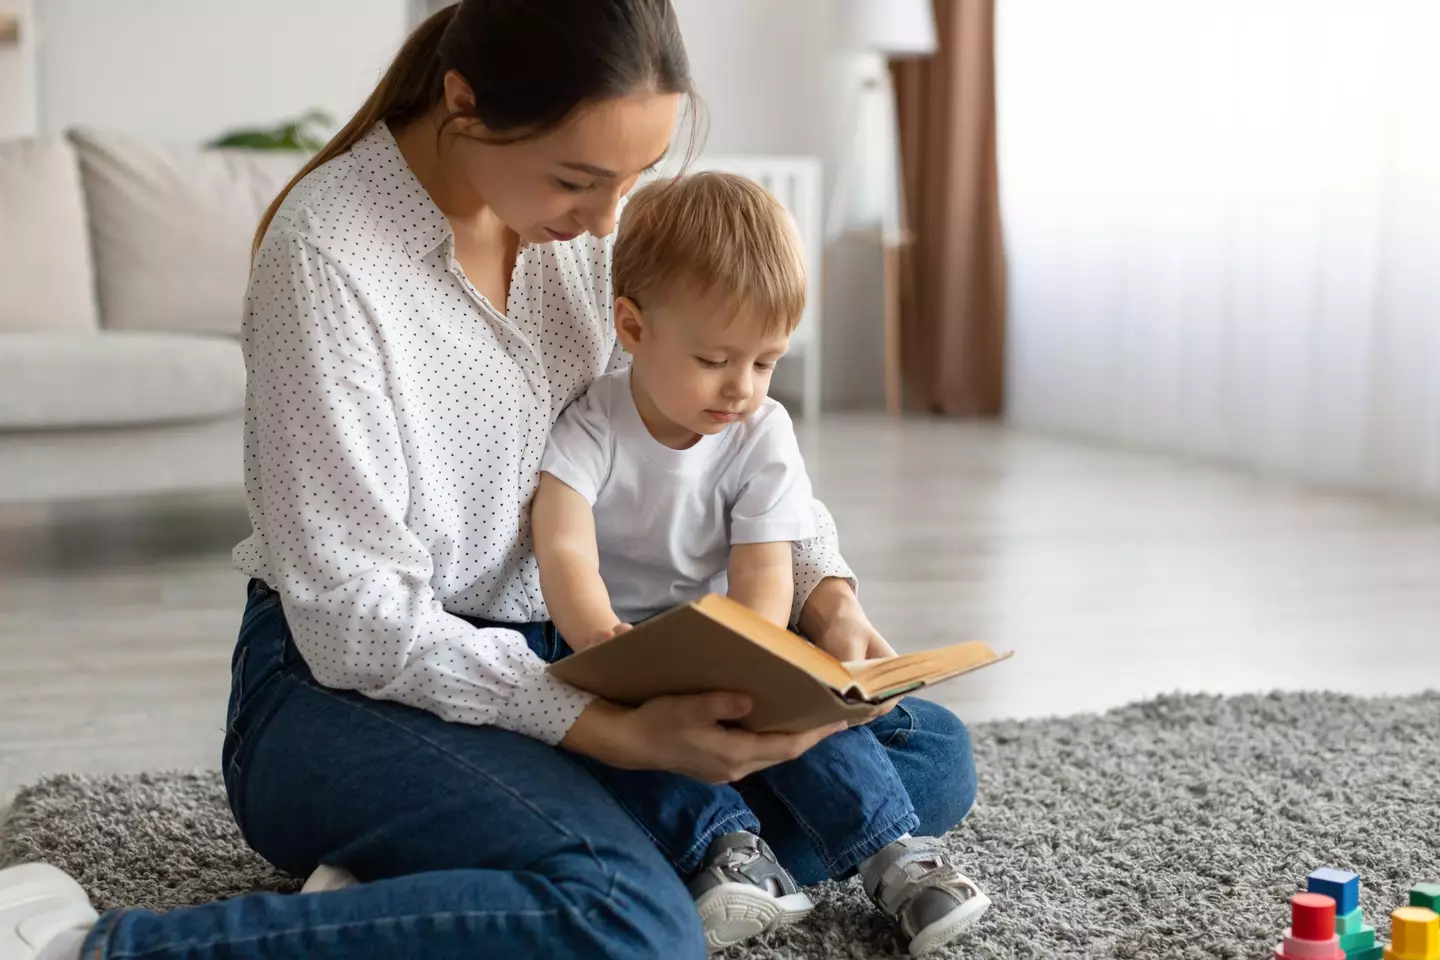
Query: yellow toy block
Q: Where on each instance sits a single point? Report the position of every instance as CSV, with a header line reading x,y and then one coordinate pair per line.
x,y
1414,935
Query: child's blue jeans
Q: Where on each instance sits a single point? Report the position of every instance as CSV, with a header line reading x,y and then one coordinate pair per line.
x,y
844,793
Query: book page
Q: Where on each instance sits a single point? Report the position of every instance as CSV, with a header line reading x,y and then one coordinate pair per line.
x,y
879,679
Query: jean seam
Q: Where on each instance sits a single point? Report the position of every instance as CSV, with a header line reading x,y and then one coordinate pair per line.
x,y
816,840
262,606
831,861
901,735
898,827
688,862
113,922
328,927
588,762
237,683
610,875
742,820
254,724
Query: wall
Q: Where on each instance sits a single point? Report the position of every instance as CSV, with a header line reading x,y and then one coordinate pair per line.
x,y
17,74
767,69
189,69
774,82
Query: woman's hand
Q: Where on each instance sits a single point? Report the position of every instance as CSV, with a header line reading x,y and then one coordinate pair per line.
x,y
683,734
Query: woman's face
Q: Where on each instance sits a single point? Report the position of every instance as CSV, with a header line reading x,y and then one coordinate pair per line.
x,y
570,180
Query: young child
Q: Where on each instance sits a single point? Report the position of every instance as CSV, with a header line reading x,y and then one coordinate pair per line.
x,y
678,477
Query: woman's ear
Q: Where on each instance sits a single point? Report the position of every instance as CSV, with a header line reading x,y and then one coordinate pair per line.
x,y
629,324
459,97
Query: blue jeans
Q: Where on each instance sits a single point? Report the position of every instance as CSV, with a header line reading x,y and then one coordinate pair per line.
x,y
473,841
844,795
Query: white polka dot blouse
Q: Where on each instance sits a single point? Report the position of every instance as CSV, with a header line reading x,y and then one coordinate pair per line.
x,y
394,426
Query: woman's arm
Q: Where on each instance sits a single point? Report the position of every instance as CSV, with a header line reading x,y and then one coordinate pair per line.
x,y
760,577
332,501
563,529
826,608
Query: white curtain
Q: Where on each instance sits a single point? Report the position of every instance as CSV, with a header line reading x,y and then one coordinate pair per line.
x,y
1222,220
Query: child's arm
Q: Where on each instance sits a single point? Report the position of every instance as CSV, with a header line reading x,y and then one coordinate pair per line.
x,y
563,529
761,577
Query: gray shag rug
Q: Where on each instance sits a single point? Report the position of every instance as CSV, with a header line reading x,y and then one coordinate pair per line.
x,y
1171,829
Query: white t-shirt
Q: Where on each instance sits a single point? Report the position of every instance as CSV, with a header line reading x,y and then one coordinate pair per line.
x,y
665,519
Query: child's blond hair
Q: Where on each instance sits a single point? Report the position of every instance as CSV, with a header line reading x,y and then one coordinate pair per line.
x,y
707,232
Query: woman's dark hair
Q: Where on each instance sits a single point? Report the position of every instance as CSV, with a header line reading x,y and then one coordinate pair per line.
x,y
530,63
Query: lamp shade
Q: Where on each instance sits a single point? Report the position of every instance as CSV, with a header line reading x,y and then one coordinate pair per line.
x,y
895,28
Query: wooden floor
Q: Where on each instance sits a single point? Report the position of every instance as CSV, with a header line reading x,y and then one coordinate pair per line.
x,y
1113,575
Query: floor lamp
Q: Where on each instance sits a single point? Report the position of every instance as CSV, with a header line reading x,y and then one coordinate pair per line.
x,y
869,190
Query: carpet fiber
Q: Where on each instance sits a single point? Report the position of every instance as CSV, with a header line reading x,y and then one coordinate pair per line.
x,y
1174,828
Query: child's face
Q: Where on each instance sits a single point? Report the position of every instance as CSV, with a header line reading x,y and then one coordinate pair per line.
x,y
699,363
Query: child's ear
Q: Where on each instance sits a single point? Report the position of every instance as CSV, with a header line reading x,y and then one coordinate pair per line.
x,y
629,323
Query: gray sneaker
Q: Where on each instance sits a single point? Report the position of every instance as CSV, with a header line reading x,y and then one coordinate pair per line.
x,y
742,891
915,884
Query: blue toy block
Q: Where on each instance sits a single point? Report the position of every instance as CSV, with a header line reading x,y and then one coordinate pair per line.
x,y
1376,952
1342,886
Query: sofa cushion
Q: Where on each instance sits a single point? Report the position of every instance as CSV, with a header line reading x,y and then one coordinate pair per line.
x,y
50,380
45,278
171,228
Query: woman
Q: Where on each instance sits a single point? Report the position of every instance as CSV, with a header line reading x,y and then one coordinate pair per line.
x,y
425,298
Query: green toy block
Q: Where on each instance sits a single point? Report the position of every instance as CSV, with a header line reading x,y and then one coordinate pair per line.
x,y
1426,895
1358,940
1349,922
1376,952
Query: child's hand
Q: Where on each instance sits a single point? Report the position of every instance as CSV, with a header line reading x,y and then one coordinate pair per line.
x,y
608,633
854,638
849,639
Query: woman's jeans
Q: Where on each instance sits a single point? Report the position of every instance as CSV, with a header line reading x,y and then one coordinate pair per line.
x,y
472,841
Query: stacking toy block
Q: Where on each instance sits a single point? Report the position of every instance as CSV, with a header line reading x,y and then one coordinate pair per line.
x,y
1311,934
1361,939
1376,952
1342,886
1426,895
1349,922
1414,935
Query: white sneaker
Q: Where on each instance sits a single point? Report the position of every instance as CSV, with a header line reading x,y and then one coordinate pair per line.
x,y
914,882
326,878
743,892
37,903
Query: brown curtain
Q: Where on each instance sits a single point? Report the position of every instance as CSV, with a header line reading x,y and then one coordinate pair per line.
x,y
952,273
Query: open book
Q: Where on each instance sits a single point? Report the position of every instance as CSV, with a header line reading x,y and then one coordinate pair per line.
x,y
718,644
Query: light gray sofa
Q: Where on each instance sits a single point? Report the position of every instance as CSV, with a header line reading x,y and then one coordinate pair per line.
x,y
122,274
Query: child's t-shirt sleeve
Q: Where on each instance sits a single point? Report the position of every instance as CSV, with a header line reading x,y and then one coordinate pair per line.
x,y
578,451
774,502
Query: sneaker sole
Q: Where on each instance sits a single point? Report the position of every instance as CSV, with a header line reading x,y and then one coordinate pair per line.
x,y
950,926
327,878
34,880
734,912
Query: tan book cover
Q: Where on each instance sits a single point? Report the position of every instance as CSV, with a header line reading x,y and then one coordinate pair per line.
x,y
718,644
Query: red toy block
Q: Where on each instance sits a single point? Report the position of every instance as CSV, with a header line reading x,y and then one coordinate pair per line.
x,y
1311,934
1312,916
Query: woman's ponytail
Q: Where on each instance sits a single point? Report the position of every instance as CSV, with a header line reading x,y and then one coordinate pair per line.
x,y
414,81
